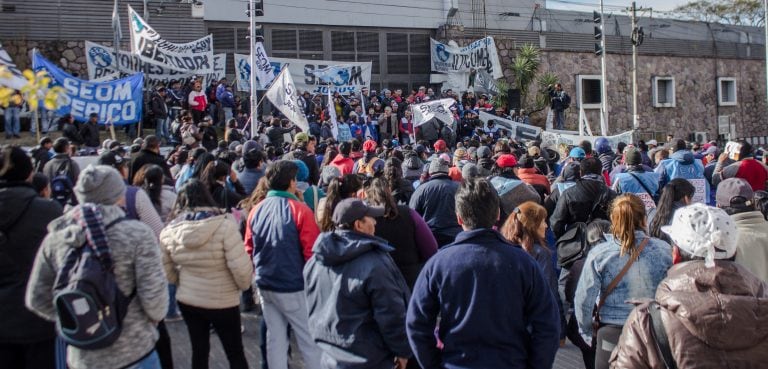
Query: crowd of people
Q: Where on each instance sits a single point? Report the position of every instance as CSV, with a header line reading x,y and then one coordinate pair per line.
x,y
437,246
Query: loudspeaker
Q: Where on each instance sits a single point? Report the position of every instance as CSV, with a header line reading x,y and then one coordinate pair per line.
x,y
513,99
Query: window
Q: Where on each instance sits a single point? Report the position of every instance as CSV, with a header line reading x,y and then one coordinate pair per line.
x,y
588,91
283,39
726,91
664,92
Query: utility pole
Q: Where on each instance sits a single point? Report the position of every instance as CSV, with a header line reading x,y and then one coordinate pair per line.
x,y
255,9
635,122
765,27
603,79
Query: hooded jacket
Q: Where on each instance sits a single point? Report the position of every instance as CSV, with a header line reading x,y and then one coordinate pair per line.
x,y
714,318
753,243
357,301
575,204
138,267
682,164
203,256
23,221
435,201
345,164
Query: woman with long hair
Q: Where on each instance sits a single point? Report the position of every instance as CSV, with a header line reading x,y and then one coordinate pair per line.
x,y
215,179
628,246
527,227
150,177
231,133
403,228
401,188
675,195
203,255
339,189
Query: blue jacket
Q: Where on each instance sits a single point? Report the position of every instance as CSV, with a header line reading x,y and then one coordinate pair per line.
x,y
435,201
249,178
627,183
357,301
497,310
283,230
603,264
681,164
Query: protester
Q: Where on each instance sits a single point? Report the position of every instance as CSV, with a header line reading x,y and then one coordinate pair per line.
x,y
747,168
675,195
303,149
494,304
203,256
252,172
511,189
709,310
150,178
636,180
434,201
628,266
339,312
370,164
137,269
588,199
90,134
150,154
222,184
402,189
61,168
681,164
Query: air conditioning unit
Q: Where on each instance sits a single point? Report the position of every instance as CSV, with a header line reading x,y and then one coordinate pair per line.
x,y
198,10
700,137
724,124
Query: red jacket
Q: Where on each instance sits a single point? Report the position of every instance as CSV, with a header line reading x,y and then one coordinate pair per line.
x,y
532,177
345,165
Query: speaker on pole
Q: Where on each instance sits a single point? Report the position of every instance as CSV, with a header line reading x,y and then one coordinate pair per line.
x,y
513,99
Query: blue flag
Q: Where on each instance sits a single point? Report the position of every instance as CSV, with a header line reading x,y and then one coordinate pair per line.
x,y
119,101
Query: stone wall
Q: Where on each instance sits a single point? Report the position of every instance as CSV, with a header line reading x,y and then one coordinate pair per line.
x,y
70,55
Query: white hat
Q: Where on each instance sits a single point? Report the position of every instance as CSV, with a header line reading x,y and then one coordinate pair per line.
x,y
653,142
703,231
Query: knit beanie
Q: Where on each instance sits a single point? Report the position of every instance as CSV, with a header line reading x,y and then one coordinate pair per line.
x,y
632,156
100,184
438,165
15,164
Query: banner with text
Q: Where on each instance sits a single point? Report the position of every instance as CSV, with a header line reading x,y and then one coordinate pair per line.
x,y
101,63
265,72
195,56
284,95
554,139
479,55
118,101
317,76
16,81
519,131
440,109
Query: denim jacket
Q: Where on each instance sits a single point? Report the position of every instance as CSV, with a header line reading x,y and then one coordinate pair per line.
x,y
603,264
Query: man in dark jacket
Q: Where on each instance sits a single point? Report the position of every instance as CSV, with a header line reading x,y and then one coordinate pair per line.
x,y
70,131
160,114
495,307
150,154
90,133
304,150
576,203
276,131
434,201
356,325
26,341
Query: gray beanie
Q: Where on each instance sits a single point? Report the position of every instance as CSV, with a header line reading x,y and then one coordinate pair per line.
x,y
100,184
328,174
469,171
438,165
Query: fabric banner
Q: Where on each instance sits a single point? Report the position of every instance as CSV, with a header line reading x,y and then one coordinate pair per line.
x,y
481,54
243,72
118,101
265,72
16,81
195,56
318,76
101,63
519,131
284,95
484,83
554,139
440,109
333,119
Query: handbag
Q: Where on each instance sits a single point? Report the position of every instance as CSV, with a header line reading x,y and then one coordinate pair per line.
x,y
572,245
608,290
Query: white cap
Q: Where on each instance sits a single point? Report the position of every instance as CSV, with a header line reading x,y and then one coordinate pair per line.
x,y
703,231
653,142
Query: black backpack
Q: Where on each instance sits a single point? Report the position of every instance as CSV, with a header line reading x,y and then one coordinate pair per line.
x,y
62,187
89,305
572,245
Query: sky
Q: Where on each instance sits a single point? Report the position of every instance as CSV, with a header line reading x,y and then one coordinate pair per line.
x,y
657,5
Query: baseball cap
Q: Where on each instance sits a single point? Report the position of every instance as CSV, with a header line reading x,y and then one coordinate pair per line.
x,y
440,145
420,149
352,209
506,161
301,137
578,153
734,190
111,159
369,146
652,142
703,231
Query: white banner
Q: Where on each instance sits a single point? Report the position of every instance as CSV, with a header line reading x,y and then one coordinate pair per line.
x,y
480,54
101,64
195,56
285,97
315,76
519,131
16,81
333,119
243,72
265,73
440,109
554,139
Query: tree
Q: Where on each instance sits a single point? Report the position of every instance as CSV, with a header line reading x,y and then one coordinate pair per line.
x,y
525,69
37,88
735,12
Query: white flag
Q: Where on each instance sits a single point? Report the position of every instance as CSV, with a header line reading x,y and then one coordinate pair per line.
x,y
15,81
263,67
440,109
285,97
116,23
332,116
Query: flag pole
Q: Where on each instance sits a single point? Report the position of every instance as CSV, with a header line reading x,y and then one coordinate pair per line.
x,y
252,59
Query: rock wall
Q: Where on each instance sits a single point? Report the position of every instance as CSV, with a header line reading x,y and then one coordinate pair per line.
x,y
70,55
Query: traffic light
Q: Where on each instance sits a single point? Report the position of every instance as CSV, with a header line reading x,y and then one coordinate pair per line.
x,y
259,33
258,6
598,32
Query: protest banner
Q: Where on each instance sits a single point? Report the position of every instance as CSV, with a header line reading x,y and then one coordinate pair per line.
x,y
440,109
317,76
285,97
554,139
518,131
118,101
16,81
196,56
481,54
102,63
333,119
265,72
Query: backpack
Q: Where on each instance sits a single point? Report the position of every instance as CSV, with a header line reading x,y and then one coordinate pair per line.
x,y
62,187
367,168
90,308
566,100
573,245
